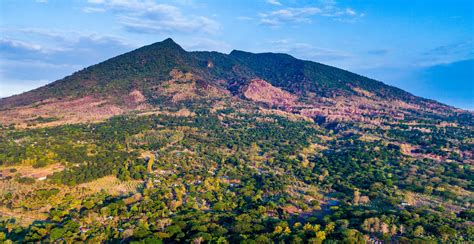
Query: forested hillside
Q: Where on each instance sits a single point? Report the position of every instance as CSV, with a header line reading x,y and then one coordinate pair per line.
x,y
164,145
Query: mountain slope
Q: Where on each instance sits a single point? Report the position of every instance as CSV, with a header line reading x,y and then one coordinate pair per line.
x,y
134,80
161,145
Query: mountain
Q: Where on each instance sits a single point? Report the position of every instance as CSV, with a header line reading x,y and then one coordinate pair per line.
x,y
164,145
136,79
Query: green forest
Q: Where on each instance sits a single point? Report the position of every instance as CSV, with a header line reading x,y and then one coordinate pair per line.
x,y
226,176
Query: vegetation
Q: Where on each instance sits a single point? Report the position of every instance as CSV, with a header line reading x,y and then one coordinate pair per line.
x,y
226,176
384,166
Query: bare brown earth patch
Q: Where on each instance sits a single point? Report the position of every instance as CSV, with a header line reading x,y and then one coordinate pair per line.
x,y
261,91
366,107
184,112
186,86
71,110
137,97
363,92
291,209
288,115
29,171
86,109
112,185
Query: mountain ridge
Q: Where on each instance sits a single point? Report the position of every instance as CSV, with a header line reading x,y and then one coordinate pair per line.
x,y
318,87
169,45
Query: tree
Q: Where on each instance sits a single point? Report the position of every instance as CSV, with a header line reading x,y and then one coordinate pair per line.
x,y
88,204
353,236
219,206
418,231
56,233
329,228
243,224
124,174
371,225
263,239
320,237
446,232
278,230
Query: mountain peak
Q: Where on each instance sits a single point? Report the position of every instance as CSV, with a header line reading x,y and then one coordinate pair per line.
x,y
167,43
169,40
239,53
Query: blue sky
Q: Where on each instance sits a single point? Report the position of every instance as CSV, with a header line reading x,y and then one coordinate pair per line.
x,y
425,46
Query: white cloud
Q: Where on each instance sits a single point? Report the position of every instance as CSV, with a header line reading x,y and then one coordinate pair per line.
x,y
274,2
350,12
16,44
288,15
61,40
143,25
29,55
270,22
92,10
446,54
151,17
305,14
